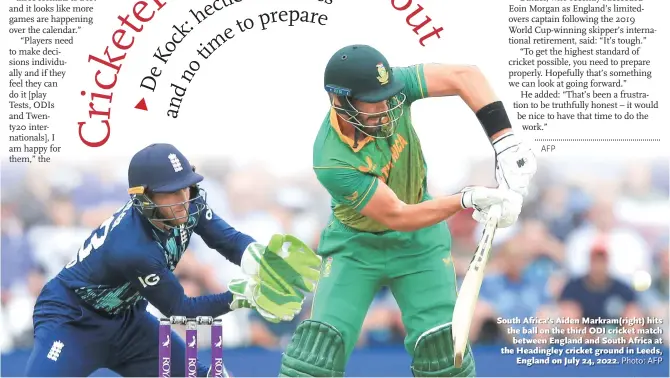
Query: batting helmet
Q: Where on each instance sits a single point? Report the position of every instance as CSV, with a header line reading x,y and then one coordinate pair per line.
x,y
362,73
161,168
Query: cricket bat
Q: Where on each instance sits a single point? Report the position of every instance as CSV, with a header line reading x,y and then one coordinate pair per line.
x,y
469,292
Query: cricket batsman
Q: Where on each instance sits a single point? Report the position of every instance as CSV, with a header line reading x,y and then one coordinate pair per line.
x,y
93,313
385,228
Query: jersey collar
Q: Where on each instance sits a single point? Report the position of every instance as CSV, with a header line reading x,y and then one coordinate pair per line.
x,y
334,122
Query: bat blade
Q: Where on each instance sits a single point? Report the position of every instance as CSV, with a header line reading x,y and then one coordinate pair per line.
x,y
469,292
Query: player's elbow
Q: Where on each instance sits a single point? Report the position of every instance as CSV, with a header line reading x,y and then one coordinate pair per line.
x,y
402,227
401,224
386,208
170,310
176,305
462,77
396,219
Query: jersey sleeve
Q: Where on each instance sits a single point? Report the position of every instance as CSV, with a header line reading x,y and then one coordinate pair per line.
x,y
148,273
415,82
348,186
222,237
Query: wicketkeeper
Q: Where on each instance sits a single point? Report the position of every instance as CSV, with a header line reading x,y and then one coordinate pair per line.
x,y
93,314
385,228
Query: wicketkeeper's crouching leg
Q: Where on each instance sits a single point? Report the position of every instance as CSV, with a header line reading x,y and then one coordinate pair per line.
x,y
434,355
316,350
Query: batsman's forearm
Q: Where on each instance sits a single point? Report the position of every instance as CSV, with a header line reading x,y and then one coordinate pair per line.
x,y
474,89
414,217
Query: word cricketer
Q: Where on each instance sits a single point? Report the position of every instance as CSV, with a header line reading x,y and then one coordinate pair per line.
x,y
106,77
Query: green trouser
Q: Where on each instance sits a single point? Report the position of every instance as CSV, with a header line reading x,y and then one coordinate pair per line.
x,y
416,266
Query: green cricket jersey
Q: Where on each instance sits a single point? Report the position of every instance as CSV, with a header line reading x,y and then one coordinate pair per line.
x,y
351,175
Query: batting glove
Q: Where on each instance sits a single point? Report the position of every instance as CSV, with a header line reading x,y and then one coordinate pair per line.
x,y
481,199
515,163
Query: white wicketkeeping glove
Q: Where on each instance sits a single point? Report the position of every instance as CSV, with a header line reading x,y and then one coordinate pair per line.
x,y
515,163
481,199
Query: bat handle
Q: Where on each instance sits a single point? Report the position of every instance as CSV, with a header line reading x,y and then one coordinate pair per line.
x,y
495,212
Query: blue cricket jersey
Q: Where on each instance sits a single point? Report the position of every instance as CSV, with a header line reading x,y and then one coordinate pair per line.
x,y
127,260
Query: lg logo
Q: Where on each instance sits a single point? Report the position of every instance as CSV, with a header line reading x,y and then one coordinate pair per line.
x,y
150,280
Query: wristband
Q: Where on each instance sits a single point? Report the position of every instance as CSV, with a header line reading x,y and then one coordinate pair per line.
x,y
466,198
493,118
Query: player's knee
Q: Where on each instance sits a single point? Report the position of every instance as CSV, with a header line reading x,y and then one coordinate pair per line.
x,y
316,350
434,355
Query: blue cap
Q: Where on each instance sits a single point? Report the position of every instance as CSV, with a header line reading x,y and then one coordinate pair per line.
x,y
161,168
